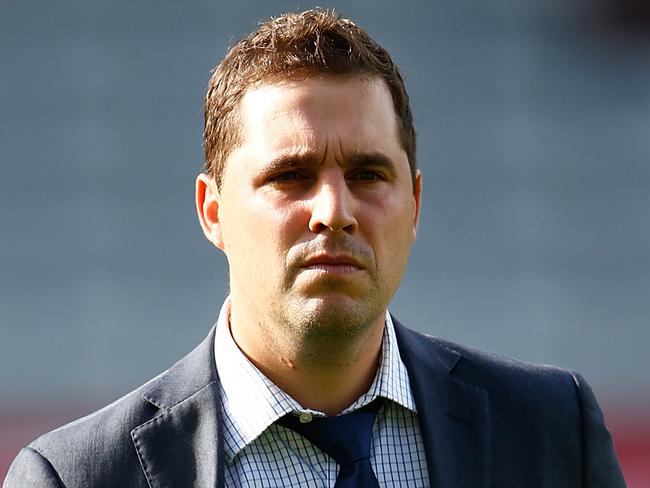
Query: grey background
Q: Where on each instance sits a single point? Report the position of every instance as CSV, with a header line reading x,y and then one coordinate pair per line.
x,y
534,141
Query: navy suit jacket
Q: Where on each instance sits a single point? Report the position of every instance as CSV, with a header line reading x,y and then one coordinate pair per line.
x,y
486,421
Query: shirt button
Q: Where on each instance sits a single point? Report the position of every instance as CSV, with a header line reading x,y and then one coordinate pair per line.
x,y
305,417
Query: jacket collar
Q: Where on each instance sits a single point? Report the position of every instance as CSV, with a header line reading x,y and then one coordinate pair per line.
x,y
182,444
454,415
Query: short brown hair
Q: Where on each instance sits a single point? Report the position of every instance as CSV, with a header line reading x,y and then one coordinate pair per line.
x,y
312,42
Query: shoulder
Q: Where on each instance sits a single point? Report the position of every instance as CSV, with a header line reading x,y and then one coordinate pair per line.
x,y
99,449
495,370
539,415
75,454
113,421
510,383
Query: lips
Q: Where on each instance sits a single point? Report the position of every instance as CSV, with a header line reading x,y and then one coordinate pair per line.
x,y
333,263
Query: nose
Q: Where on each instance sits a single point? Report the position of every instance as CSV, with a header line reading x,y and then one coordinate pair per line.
x,y
332,206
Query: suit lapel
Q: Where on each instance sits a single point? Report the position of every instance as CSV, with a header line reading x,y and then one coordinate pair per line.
x,y
453,414
182,445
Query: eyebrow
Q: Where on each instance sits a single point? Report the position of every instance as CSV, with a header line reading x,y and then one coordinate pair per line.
x,y
375,159
357,159
285,161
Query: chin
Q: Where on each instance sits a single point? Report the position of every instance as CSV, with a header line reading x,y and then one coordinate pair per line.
x,y
333,316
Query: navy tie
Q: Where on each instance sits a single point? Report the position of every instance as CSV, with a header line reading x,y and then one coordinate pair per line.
x,y
346,439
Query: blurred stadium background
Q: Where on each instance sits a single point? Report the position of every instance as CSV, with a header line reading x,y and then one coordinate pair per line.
x,y
534,140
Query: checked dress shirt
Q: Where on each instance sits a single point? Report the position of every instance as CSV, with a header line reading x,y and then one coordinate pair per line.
x,y
261,453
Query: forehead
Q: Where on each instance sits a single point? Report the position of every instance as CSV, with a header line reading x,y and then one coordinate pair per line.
x,y
351,111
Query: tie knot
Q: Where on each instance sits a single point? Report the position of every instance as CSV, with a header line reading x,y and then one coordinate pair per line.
x,y
345,438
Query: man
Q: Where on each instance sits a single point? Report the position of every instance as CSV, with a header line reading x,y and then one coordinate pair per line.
x,y
312,192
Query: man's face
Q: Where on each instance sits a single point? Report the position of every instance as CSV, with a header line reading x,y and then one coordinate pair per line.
x,y
317,209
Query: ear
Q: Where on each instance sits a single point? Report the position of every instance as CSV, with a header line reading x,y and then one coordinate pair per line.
x,y
207,208
417,198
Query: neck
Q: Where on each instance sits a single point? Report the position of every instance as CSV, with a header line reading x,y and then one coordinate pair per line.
x,y
327,377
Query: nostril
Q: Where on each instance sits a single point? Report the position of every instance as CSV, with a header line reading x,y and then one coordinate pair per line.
x,y
320,226
351,227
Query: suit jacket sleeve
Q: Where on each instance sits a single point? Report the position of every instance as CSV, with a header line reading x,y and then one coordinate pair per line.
x,y
600,467
31,469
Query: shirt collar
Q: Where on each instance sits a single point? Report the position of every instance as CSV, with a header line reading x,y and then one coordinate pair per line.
x,y
252,402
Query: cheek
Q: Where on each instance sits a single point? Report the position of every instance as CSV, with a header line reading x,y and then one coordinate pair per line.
x,y
392,234
242,235
262,232
289,219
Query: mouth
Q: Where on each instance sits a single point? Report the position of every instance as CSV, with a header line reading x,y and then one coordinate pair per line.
x,y
332,264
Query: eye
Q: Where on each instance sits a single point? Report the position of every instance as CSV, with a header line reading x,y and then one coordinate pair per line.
x,y
367,175
286,177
